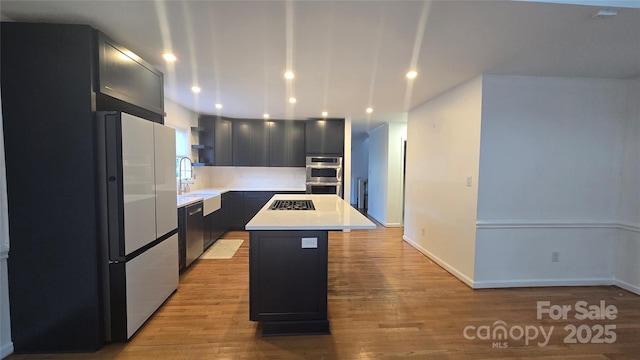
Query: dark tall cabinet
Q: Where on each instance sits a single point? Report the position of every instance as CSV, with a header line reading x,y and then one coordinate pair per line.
x,y
53,78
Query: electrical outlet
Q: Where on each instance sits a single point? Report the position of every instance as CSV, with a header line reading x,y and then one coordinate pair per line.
x,y
422,232
555,256
310,243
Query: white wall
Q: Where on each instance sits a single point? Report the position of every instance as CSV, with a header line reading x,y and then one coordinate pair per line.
x,y
359,161
549,180
346,162
179,117
628,251
247,178
395,176
385,175
378,167
6,346
443,149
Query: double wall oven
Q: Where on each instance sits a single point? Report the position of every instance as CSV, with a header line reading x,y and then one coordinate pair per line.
x,y
324,175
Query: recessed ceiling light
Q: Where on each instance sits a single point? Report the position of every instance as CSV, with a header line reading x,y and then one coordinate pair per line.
x,y
196,89
324,113
169,57
218,106
292,100
369,110
289,75
412,74
266,116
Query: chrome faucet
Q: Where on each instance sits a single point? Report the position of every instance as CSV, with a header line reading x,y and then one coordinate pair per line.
x,y
180,187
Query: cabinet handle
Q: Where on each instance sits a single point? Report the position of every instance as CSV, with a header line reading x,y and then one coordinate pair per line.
x,y
195,212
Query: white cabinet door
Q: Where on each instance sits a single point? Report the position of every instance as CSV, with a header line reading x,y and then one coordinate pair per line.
x,y
166,189
138,173
151,277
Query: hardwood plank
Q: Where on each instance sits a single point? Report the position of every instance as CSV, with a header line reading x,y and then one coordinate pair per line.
x,y
386,301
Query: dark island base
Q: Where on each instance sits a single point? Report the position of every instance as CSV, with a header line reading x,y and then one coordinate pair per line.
x,y
290,328
288,281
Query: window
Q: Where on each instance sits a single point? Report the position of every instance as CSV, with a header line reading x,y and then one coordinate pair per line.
x,y
182,143
182,150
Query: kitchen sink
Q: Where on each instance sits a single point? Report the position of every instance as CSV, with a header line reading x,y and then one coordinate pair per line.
x,y
211,200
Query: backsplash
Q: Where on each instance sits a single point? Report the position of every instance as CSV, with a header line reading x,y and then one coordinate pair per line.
x,y
248,177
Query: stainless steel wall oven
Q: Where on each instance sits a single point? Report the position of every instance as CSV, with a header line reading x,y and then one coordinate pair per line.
x,y
324,175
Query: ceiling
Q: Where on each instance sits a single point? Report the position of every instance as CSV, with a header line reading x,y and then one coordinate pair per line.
x,y
349,55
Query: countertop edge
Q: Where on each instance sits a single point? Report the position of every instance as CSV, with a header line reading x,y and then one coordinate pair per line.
x,y
302,228
200,194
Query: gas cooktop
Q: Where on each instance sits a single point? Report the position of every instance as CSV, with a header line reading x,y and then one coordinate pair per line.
x,y
292,205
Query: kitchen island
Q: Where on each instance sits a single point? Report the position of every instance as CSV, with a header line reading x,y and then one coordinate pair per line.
x,y
288,259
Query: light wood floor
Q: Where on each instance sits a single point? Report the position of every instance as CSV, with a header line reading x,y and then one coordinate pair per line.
x,y
386,301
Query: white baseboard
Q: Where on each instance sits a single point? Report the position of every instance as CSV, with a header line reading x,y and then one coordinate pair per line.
x,y
542,283
625,285
521,282
557,224
462,277
385,224
6,350
393,225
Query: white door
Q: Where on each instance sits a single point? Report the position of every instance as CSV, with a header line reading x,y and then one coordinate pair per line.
x,y
166,189
138,173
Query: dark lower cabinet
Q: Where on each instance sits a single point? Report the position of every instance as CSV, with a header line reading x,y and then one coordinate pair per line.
x,y
241,206
208,231
216,226
235,216
288,281
182,238
253,202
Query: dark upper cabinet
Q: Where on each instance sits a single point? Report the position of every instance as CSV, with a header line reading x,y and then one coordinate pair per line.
x,y
250,143
325,137
222,138
124,76
205,140
286,142
214,141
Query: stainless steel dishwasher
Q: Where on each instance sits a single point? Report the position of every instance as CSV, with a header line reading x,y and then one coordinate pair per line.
x,y
193,232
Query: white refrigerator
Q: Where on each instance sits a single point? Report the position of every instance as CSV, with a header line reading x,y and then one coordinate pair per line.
x,y
138,220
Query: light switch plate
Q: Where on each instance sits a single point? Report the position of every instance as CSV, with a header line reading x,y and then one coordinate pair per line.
x,y
310,243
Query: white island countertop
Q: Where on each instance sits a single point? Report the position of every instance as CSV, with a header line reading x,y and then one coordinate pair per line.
x,y
331,213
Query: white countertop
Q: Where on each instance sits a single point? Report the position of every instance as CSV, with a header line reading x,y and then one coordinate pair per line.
x,y
331,213
202,194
